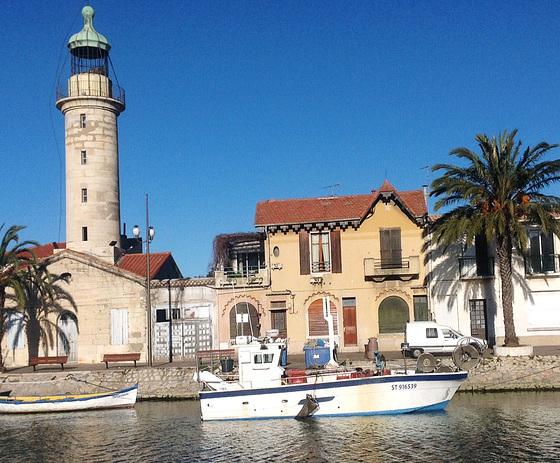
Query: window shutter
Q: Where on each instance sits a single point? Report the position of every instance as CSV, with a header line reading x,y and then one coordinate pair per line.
x,y
336,252
304,266
119,327
15,330
391,252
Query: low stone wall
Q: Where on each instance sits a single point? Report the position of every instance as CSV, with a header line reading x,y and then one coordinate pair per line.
x,y
493,374
515,373
153,383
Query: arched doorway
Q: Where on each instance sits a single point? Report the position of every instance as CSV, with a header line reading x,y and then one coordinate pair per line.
x,y
393,315
244,321
68,336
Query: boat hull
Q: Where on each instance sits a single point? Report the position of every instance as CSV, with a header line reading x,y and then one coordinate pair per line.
x,y
390,394
66,403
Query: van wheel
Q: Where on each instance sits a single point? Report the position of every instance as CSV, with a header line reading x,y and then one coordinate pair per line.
x,y
416,352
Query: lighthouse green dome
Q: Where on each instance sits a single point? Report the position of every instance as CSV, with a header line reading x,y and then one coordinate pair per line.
x,y
88,37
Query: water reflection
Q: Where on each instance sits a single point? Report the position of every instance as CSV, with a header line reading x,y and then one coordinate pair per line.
x,y
492,428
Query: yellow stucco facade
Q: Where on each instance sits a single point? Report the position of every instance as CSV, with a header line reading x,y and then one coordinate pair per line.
x,y
361,286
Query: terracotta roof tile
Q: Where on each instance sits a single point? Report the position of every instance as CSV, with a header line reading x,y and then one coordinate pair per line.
x,y
310,210
387,186
137,263
415,200
46,250
332,208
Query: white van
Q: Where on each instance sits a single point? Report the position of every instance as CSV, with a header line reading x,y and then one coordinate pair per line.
x,y
433,338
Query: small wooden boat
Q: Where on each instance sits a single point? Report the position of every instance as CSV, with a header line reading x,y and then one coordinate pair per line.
x,y
66,403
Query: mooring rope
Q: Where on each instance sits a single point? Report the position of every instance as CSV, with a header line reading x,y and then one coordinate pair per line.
x,y
91,384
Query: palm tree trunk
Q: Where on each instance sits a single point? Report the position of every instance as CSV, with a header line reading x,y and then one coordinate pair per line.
x,y
505,256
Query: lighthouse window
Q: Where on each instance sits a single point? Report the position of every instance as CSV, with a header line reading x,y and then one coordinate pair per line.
x,y
82,121
84,195
84,233
84,157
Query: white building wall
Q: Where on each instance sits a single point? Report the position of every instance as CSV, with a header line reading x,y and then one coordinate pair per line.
x,y
536,298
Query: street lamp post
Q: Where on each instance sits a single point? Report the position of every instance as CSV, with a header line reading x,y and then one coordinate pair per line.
x,y
150,233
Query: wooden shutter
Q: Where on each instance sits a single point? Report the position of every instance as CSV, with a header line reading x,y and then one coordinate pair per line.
x,y
336,253
15,331
391,252
304,265
316,323
119,327
481,253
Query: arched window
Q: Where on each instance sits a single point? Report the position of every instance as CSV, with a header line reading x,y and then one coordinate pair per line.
x,y
317,325
244,320
393,315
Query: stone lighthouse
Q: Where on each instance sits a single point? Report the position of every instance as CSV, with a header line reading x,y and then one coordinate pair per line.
x,y
91,105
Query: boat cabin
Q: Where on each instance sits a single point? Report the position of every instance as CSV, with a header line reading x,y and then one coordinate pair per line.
x,y
259,364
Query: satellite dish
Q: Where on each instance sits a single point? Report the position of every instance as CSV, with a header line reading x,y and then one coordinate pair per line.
x,y
426,363
465,357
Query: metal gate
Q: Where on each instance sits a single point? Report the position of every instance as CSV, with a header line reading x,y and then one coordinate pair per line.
x,y
188,337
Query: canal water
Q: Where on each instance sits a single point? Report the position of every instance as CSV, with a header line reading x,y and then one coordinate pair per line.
x,y
501,427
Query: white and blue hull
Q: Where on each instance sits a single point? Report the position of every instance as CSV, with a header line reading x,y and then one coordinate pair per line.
x,y
389,394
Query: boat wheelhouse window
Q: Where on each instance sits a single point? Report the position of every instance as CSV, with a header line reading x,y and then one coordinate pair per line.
x,y
431,332
263,358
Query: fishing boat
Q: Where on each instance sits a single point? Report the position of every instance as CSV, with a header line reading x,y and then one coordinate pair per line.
x,y
66,403
264,389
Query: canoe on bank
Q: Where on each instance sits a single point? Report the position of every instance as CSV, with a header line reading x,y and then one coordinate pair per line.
x,y
66,403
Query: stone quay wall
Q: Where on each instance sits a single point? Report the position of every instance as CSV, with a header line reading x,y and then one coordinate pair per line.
x,y
153,383
515,373
176,382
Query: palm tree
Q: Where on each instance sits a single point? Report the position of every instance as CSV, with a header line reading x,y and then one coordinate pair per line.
x,y
43,297
498,194
13,262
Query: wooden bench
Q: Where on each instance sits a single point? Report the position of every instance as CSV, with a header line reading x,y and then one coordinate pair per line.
x,y
214,355
133,357
60,360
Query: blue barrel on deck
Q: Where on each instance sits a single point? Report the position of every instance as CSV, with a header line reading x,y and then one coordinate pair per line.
x,y
316,356
284,357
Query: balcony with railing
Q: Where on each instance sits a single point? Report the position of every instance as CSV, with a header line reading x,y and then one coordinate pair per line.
x,y
249,276
476,267
540,265
404,269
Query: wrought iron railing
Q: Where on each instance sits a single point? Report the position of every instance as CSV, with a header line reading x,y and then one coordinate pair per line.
x,y
378,267
319,267
540,264
115,92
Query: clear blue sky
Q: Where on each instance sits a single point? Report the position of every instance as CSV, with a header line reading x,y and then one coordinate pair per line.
x,y
234,102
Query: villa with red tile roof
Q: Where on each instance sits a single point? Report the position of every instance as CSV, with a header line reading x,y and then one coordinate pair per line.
x,y
362,251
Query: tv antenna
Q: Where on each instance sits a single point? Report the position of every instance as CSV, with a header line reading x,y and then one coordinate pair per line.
x,y
332,187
